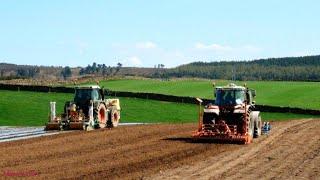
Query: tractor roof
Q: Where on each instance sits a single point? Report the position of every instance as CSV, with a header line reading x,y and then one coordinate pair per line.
x,y
88,87
231,86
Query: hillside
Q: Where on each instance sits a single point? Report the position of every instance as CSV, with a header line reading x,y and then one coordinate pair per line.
x,y
305,68
13,71
279,69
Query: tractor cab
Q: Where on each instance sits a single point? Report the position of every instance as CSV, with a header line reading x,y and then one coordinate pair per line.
x,y
93,93
86,95
232,95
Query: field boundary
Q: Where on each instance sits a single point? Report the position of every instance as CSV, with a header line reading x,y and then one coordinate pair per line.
x,y
153,96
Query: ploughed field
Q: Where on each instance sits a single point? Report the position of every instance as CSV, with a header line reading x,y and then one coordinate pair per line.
x,y
291,150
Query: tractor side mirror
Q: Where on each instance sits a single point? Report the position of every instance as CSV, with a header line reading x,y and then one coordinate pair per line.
x,y
107,92
253,92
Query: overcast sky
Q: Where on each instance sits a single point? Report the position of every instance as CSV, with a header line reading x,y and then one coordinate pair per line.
x,y
146,32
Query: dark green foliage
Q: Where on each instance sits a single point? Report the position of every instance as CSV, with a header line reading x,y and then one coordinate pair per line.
x,y
66,72
27,72
279,69
13,71
100,69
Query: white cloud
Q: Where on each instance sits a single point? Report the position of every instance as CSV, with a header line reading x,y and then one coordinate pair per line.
x,y
178,54
148,54
217,48
146,45
250,48
213,47
82,47
133,61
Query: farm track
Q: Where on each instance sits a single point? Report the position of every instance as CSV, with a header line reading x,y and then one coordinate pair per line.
x,y
14,133
166,152
11,133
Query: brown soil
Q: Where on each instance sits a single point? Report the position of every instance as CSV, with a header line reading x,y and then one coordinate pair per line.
x,y
165,151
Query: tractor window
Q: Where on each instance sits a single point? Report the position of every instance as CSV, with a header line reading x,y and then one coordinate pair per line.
x,y
229,97
86,94
240,96
95,95
82,95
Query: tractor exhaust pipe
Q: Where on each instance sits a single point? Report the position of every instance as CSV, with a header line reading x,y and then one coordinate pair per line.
x,y
200,114
52,111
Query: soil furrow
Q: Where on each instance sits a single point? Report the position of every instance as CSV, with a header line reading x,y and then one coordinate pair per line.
x,y
165,152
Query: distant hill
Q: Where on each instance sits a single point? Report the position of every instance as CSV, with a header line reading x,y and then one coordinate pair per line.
x,y
305,68
13,71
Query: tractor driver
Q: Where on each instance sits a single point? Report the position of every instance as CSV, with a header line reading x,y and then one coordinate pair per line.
x,y
228,97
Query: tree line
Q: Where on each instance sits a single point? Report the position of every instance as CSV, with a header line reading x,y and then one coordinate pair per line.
x,y
12,71
100,69
275,69
305,68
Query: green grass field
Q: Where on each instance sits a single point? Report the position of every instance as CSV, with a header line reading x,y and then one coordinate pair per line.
x,y
32,109
292,94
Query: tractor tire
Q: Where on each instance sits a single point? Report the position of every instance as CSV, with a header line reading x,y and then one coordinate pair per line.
x,y
250,128
113,118
257,126
101,115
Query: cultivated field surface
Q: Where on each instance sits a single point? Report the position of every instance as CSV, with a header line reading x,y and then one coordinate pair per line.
x,y
165,151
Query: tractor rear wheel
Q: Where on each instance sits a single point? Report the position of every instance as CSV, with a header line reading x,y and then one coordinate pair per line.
x,y
101,113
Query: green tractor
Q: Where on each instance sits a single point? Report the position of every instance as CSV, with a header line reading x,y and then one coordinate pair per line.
x,y
89,110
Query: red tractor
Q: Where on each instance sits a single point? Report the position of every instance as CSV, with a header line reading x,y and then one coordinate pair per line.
x,y
231,118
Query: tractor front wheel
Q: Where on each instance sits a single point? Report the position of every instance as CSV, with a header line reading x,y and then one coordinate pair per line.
x,y
257,127
250,128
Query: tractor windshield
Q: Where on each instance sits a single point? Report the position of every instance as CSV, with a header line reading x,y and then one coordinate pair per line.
x,y
83,95
229,96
